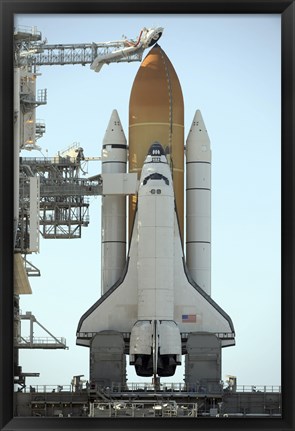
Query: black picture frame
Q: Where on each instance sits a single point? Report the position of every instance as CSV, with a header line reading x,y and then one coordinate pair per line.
x,y
287,10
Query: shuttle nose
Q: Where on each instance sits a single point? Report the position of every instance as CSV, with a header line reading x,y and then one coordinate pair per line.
x,y
156,149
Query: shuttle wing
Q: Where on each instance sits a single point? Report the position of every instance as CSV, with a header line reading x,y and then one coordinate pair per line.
x,y
195,310
117,309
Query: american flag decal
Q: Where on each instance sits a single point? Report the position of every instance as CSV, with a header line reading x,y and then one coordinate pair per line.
x,y
189,318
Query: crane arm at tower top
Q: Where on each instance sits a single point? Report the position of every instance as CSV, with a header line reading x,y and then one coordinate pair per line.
x,y
96,54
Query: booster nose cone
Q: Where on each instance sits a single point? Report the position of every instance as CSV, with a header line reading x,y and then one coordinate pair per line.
x,y
198,142
114,134
156,113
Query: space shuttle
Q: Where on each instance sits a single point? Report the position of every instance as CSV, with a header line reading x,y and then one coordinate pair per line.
x,y
155,305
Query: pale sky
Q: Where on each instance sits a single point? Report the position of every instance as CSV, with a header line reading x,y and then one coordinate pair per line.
x,y
229,68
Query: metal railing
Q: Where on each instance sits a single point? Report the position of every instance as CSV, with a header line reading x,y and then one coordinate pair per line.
x,y
200,388
213,387
49,160
146,387
43,340
259,388
48,389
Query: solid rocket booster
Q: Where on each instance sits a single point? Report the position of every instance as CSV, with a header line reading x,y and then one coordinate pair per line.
x,y
113,207
198,203
156,113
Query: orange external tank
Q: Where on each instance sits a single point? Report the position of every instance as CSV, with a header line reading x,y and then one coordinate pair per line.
x,y
156,113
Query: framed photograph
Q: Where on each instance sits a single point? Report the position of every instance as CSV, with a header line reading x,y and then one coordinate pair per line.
x,y
112,317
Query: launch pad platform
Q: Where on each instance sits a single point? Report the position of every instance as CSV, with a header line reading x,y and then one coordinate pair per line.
x,y
146,400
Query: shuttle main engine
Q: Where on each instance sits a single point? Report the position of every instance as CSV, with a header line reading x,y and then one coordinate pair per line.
x,y
156,303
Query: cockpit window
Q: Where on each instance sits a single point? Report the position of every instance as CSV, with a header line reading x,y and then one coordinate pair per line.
x,y
156,176
156,149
